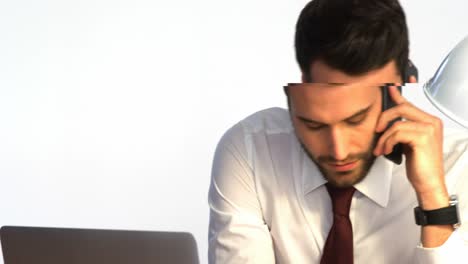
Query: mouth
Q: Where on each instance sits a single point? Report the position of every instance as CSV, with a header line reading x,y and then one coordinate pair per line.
x,y
343,166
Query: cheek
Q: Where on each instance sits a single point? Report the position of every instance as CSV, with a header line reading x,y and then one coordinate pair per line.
x,y
364,135
310,139
315,141
362,138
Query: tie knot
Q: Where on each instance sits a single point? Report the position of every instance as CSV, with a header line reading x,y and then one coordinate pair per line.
x,y
341,199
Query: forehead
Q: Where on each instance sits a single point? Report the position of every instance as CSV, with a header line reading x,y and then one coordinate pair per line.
x,y
330,103
323,94
334,95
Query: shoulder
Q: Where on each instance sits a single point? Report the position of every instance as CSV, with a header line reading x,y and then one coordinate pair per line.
x,y
456,160
268,121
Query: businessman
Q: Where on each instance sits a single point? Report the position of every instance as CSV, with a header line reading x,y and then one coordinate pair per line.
x,y
313,184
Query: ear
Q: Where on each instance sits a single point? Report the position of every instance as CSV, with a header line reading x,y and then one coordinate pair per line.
x,y
412,79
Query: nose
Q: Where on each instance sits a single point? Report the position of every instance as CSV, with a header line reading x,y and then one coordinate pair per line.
x,y
338,143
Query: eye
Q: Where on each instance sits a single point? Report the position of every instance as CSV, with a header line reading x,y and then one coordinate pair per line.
x,y
314,128
356,121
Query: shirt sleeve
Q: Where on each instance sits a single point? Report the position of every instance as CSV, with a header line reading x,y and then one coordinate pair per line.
x,y
237,230
453,251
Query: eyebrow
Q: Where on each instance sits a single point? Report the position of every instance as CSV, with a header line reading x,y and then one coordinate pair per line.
x,y
358,113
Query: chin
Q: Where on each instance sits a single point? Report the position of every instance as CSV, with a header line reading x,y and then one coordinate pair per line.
x,y
347,178
344,181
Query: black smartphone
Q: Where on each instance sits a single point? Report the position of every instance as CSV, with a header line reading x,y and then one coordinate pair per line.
x,y
396,155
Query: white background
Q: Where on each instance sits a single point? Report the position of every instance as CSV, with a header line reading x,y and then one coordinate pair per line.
x,y
110,111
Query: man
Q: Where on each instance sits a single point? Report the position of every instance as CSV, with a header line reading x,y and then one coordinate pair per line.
x,y
275,173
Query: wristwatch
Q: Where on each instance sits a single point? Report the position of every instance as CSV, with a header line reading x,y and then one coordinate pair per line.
x,y
444,216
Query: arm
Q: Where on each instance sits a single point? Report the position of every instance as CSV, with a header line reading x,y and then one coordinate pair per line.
x,y
237,231
435,235
422,136
454,249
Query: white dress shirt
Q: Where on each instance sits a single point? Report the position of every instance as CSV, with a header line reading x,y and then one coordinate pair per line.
x,y
268,202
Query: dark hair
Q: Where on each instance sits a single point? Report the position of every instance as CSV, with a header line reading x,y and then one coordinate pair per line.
x,y
354,36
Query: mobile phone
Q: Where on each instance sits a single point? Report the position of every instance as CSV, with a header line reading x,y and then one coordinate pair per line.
x,y
396,155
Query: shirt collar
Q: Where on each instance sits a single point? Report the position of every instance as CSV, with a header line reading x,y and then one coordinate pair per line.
x,y
376,185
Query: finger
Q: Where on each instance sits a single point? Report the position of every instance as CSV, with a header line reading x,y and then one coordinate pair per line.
x,y
396,137
408,112
400,136
396,95
406,127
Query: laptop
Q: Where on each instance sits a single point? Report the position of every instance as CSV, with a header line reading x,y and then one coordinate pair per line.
x,y
41,245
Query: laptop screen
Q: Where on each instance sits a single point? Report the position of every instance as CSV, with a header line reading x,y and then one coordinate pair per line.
x,y
39,245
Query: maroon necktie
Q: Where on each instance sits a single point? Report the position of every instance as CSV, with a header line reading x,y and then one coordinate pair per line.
x,y
339,246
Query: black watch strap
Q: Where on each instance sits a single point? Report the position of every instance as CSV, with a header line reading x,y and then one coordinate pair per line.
x,y
443,216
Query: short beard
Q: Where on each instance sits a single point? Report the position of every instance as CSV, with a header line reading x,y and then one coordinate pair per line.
x,y
367,157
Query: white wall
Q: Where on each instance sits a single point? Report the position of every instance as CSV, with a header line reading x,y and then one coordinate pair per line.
x,y
110,111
